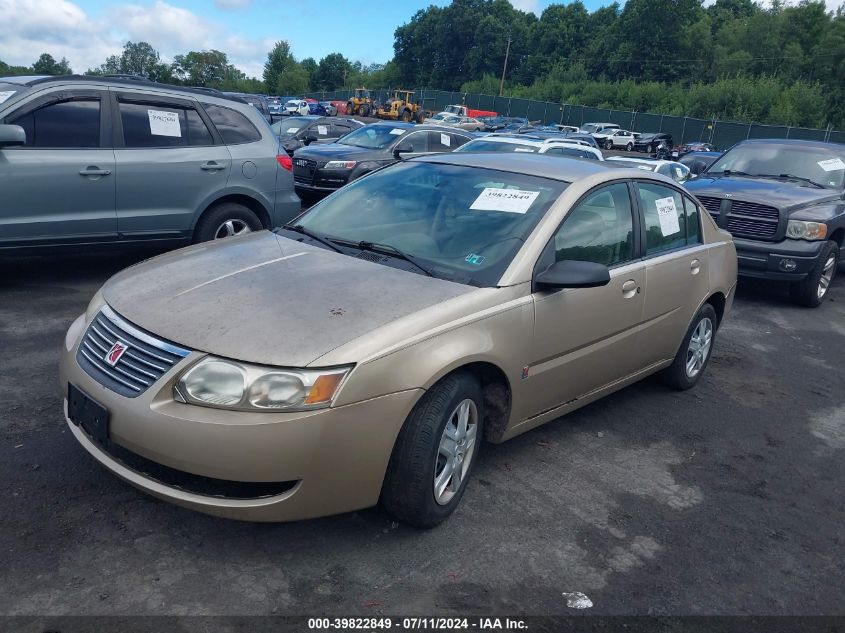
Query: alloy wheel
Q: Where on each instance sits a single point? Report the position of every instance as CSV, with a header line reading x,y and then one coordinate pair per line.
x,y
699,347
456,450
230,228
827,275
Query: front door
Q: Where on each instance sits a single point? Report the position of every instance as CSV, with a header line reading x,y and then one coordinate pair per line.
x,y
586,338
59,188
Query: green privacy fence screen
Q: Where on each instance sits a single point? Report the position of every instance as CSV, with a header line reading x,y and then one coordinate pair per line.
x,y
683,129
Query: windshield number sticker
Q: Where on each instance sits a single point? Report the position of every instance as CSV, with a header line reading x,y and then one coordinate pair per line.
x,y
292,130
509,200
6,94
164,123
667,214
323,130
446,140
397,131
474,259
831,164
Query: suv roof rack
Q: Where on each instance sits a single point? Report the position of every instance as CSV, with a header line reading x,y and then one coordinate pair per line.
x,y
132,79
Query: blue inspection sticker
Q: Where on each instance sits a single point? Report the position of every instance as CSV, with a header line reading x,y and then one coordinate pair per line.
x,y
474,259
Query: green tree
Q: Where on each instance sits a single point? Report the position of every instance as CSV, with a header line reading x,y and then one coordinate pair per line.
x,y
46,65
279,61
202,68
137,58
332,72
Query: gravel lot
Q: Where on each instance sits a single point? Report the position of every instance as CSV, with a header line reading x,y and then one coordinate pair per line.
x,y
726,499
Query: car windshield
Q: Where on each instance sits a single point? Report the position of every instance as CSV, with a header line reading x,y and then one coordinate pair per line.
x,y
464,224
373,136
821,166
485,145
293,103
287,128
590,128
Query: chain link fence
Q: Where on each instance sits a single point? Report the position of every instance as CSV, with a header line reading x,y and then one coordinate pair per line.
x,y
684,129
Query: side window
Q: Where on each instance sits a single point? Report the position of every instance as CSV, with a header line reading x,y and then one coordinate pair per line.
x,y
154,125
67,124
340,129
693,221
322,130
458,140
418,141
599,229
665,220
233,126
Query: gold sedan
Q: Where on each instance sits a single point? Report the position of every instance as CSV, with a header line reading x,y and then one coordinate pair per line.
x,y
363,352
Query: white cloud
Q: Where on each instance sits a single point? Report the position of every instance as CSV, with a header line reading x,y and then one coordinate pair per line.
x,y
232,5
529,6
63,29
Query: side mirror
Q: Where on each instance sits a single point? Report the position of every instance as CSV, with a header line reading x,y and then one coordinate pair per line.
x,y
697,167
573,274
402,148
12,135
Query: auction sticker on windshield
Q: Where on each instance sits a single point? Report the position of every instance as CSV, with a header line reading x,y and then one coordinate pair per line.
x,y
510,200
831,164
164,123
397,131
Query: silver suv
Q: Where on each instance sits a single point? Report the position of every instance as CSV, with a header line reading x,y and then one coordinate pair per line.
x,y
92,160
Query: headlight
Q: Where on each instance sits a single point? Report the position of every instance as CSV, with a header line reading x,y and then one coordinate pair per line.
x,y
216,382
801,230
340,164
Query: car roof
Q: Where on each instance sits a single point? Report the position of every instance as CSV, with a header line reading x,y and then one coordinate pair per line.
x,y
563,168
787,142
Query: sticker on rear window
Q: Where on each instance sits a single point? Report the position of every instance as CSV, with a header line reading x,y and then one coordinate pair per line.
x,y
397,131
831,164
164,123
5,95
446,140
292,130
509,200
323,130
667,214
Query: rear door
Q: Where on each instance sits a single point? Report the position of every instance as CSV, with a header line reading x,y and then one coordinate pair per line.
x,y
676,265
170,164
60,187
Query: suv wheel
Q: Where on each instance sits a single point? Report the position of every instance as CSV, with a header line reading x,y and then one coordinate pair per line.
x,y
813,290
608,144
695,351
435,453
226,220
629,147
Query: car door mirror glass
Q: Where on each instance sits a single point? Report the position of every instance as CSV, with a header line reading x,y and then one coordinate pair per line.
x,y
12,135
573,274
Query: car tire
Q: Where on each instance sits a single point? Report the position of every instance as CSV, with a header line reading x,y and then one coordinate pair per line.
x,y
629,147
226,220
814,289
608,144
420,457
695,351
649,149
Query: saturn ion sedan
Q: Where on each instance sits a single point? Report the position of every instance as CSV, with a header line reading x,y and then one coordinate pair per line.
x,y
362,353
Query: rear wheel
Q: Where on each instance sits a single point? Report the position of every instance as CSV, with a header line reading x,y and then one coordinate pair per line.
x,y
813,290
407,116
649,149
435,452
229,219
629,147
695,351
420,118
608,144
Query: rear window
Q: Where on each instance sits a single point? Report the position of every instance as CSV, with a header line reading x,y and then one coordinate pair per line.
x,y
233,126
151,125
497,146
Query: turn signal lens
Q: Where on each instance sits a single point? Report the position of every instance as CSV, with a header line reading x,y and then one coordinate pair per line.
x,y
324,388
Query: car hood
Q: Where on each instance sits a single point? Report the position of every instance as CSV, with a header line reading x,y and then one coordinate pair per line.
x,y
338,151
782,194
266,299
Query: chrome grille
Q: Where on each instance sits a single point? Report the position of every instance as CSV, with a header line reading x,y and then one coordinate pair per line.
x,y
145,360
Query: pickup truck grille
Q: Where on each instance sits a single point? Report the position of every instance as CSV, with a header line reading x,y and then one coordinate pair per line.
x,y
754,210
752,220
145,359
712,205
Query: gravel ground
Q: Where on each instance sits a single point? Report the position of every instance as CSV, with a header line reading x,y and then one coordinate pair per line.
x,y
726,499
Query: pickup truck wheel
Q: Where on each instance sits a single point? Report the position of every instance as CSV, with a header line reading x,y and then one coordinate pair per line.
x,y
695,351
226,220
435,452
608,144
813,290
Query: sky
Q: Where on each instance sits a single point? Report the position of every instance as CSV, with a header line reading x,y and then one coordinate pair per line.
x,y
88,31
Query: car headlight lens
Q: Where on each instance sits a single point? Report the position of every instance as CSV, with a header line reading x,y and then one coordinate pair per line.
x,y
216,382
340,164
801,230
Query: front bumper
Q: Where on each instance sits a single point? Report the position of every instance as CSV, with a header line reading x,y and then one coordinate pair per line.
x,y
334,459
771,260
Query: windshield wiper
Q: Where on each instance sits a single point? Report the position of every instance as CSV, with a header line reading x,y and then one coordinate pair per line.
x,y
392,250
793,177
729,172
314,236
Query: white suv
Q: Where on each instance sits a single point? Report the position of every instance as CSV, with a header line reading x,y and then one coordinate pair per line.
x,y
296,106
616,138
553,147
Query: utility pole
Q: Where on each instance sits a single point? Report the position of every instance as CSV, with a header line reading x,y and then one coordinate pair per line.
x,y
505,68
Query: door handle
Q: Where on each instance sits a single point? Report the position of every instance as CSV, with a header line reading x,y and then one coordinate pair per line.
x,y
93,170
212,166
695,266
630,288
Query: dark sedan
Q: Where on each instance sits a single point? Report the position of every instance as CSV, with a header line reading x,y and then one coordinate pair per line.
x,y
648,142
298,131
319,169
696,146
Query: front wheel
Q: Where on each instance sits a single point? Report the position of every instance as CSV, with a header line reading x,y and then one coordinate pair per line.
x,y
649,149
608,144
629,147
695,351
435,452
813,290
